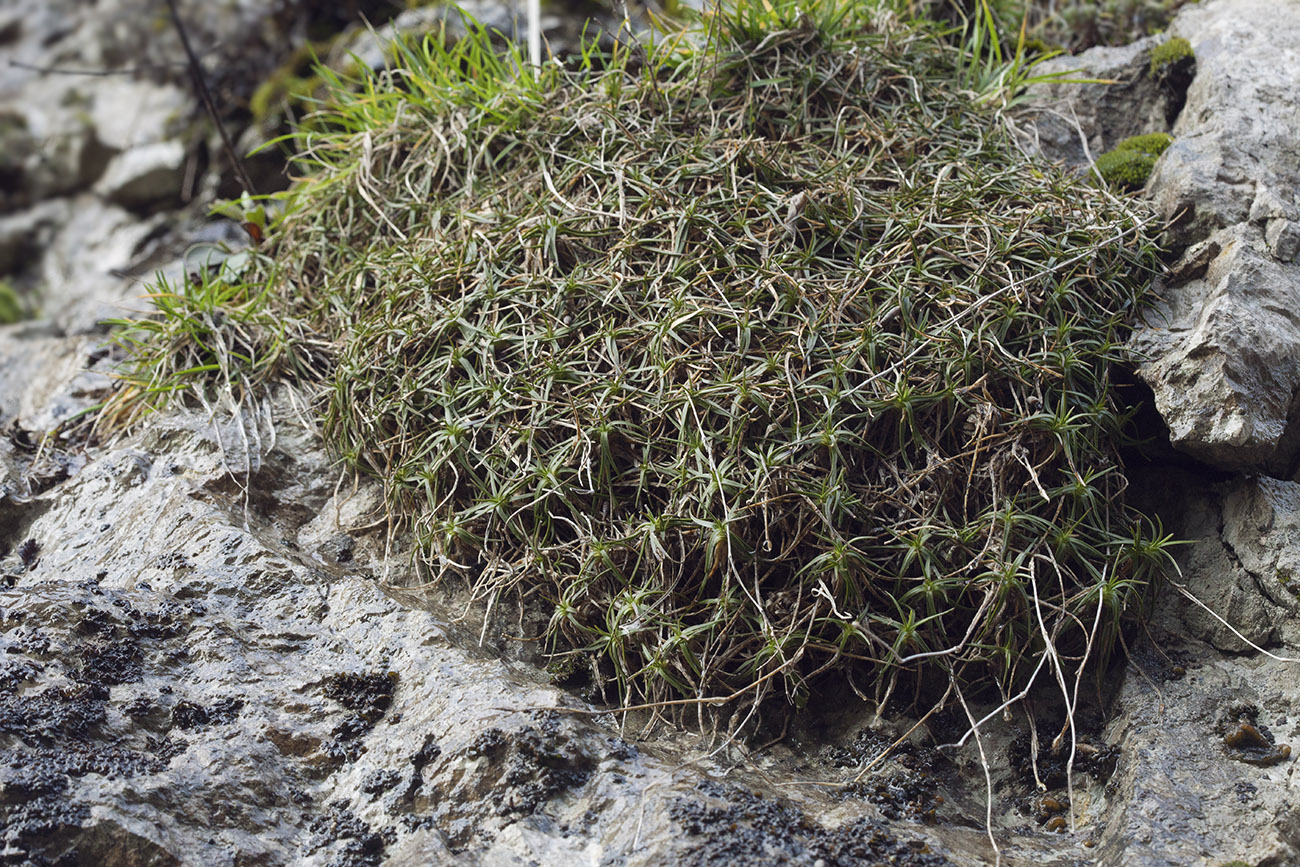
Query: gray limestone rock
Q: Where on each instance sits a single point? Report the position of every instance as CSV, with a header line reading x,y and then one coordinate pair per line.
x,y
1283,239
1238,576
1221,350
145,176
1076,122
1224,368
1182,795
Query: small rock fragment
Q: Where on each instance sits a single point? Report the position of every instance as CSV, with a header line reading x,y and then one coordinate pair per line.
x,y
1283,239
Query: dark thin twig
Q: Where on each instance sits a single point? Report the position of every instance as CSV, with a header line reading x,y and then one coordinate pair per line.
x,y
196,72
98,73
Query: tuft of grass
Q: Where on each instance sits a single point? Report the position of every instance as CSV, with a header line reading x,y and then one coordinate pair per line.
x,y
1074,25
215,327
759,354
1003,75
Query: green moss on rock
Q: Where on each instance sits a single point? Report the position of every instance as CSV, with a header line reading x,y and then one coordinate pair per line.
x,y
11,306
1130,163
1152,143
291,90
1174,52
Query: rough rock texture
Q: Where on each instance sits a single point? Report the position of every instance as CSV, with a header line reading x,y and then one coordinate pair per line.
x,y
145,176
1206,715
1242,561
200,668
1187,796
1222,349
1075,121
203,664
80,151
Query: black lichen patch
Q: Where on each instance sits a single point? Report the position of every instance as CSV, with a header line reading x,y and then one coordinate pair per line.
x,y
537,762
165,749
906,787
1247,740
428,752
191,715
1091,756
55,712
79,759
110,661
140,707
29,551
368,696
14,674
20,782
731,825
168,621
38,819
188,715
380,780
351,842
33,826
111,653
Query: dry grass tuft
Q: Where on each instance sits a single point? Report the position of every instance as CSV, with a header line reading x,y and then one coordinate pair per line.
x,y
759,354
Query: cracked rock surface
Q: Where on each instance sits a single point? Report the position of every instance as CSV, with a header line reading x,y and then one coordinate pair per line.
x,y
1206,714
1222,347
205,664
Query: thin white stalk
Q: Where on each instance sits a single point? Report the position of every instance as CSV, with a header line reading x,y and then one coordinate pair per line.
x,y
535,33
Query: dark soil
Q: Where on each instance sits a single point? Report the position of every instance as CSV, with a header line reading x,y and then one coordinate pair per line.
x,y
1092,756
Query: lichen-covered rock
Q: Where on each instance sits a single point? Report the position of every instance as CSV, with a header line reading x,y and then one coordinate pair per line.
x,y
1076,122
171,634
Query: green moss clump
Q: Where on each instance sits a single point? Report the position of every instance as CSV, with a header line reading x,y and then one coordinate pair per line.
x,y
282,96
1130,163
1172,51
11,305
1154,143
765,356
